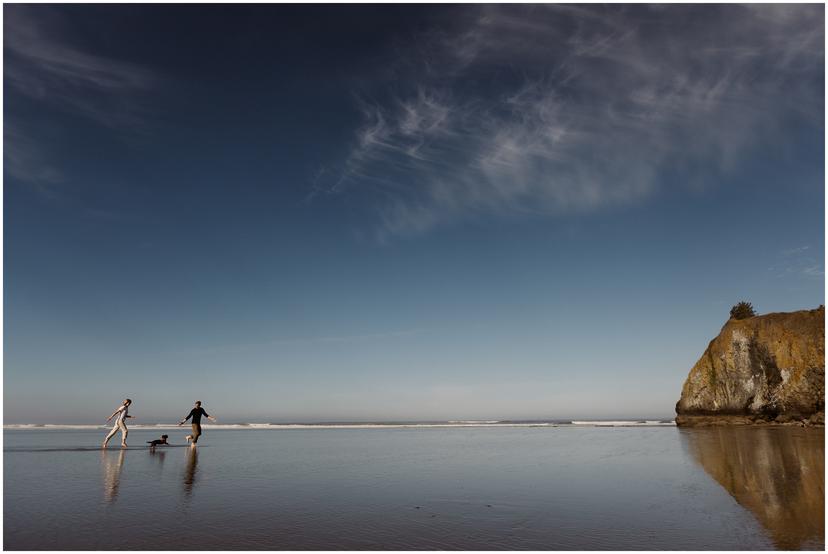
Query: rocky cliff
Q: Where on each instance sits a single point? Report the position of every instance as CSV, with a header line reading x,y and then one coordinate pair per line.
x,y
763,369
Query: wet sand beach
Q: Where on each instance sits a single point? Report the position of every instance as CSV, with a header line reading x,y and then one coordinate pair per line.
x,y
513,488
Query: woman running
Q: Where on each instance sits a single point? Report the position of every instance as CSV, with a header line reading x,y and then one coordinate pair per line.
x,y
196,414
120,424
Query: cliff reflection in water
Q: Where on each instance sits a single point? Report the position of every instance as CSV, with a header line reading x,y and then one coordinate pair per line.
x,y
776,473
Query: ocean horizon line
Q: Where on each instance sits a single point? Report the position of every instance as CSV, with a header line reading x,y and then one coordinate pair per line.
x,y
364,424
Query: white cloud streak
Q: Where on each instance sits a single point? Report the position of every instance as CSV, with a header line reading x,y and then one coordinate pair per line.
x,y
561,109
798,261
796,250
23,159
41,64
44,67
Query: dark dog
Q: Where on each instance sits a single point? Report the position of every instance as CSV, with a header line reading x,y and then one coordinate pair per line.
x,y
156,442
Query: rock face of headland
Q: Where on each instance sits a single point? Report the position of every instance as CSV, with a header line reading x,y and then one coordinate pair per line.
x,y
763,369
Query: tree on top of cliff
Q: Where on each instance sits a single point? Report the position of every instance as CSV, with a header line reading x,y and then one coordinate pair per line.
x,y
742,310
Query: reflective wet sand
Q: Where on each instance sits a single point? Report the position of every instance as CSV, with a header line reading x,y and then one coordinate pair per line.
x,y
111,468
413,489
776,473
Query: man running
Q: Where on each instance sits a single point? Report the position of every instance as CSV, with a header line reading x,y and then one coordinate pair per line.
x,y
120,424
196,414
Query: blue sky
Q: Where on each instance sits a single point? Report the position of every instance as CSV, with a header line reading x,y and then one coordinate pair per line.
x,y
305,213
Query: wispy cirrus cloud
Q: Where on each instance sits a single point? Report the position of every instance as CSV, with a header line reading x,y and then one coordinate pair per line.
x,y
41,63
798,261
796,250
551,109
24,160
44,66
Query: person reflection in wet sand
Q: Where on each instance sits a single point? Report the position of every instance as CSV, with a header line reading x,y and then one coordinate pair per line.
x,y
190,470
776,473
112,474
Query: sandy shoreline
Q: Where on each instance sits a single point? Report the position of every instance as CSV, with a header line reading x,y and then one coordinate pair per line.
x,y
283,426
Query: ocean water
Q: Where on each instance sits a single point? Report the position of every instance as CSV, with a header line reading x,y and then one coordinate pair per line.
x,y
543,487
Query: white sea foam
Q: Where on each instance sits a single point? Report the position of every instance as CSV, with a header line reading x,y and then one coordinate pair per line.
x,y
401,425
626,423
49,426
255,426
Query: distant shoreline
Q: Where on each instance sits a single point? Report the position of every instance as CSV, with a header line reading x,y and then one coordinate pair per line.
x,y
369,425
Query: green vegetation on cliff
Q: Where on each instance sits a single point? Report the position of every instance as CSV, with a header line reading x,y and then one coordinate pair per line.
x,y
742,310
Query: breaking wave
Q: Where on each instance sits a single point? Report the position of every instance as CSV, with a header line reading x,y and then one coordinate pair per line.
x,y
363,425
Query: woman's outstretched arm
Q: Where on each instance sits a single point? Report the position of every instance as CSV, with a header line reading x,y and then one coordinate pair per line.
x,y
116,412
